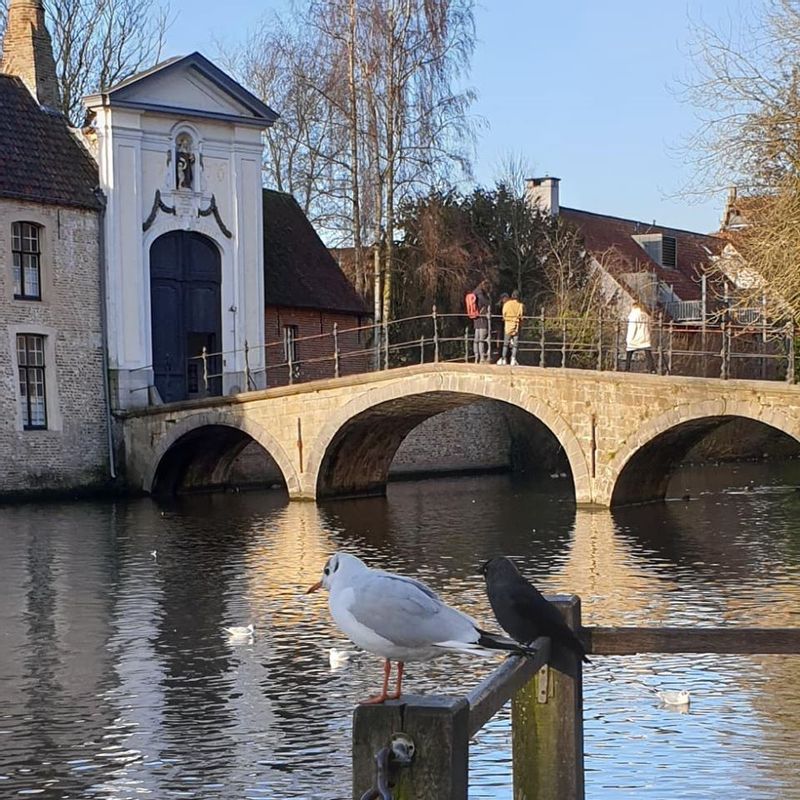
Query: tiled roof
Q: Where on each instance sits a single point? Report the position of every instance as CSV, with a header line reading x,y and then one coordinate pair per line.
x,y
298,269
40,160
610,240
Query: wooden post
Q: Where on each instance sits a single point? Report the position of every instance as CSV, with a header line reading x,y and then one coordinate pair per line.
x,y
385,344
547,724
439,728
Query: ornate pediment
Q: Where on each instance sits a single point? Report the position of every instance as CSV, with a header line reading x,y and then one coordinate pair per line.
x,y
190,86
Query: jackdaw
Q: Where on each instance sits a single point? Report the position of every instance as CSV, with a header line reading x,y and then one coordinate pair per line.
x,y
522,611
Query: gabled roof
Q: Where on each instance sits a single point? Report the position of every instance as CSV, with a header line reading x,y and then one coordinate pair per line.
x,y
299,271
135,92
610,240
40,160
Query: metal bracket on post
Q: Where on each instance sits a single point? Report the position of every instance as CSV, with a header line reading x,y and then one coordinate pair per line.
x,y
542,684
389,760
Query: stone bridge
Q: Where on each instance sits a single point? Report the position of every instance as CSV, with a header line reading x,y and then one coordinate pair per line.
x,y
622,434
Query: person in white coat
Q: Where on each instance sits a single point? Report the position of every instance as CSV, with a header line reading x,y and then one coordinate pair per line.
x,y
638,336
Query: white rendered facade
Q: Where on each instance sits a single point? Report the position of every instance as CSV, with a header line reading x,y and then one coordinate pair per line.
x,y
143,127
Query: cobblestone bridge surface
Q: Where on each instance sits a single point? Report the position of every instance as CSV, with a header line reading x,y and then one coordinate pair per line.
x,y
621,433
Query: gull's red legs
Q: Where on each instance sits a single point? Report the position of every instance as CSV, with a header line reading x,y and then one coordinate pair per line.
x,y
400,668
384,695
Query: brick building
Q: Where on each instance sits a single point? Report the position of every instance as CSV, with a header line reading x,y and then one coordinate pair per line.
x,y
306,295
53,405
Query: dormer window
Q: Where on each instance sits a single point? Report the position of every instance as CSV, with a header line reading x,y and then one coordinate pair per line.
x,y
661,248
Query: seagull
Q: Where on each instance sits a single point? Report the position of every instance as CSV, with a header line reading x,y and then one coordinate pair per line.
x,y
670,697
240,633
338,658
399,619
522,611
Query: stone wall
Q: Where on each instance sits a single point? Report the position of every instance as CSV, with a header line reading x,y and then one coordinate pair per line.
x,y
72,452
472,437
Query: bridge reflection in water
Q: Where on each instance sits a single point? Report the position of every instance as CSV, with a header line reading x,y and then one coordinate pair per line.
x,y
116,673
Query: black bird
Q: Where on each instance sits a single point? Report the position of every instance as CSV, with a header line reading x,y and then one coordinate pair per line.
x,y
522,611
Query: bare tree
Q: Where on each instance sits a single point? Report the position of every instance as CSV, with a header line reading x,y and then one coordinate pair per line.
x,y
98,43
384,118
747,91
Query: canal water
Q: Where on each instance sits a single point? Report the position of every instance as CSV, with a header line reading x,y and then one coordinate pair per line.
x,y
119,680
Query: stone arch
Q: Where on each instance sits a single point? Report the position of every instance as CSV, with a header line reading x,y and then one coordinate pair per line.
x,y
228,433
407,402
640,470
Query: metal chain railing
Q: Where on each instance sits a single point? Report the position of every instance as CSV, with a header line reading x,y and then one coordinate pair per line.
x,y
726,350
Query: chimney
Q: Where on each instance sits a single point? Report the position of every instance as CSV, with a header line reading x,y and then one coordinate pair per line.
x,y
543,192
28,51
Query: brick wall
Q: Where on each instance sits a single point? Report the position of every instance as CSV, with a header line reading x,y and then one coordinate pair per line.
x,y
72,452
315,355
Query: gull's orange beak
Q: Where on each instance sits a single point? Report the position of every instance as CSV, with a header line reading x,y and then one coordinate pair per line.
x,y
314,588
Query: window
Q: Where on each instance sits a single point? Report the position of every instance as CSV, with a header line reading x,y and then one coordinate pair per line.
x,y
661,248
30,360
26,260
290,343
669,252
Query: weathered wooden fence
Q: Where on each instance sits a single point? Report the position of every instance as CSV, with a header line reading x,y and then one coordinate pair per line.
x,y
546,717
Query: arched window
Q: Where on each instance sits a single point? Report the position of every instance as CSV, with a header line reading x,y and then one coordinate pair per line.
x,y
26,255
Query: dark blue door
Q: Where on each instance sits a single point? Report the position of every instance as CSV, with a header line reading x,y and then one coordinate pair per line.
x,y
185,314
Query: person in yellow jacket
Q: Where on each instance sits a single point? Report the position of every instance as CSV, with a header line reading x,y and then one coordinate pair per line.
x,y
513,312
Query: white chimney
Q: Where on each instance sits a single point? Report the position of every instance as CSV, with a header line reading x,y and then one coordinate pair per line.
x,y
543,192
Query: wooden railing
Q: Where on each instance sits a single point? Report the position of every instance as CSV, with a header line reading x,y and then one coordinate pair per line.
x,y
546,716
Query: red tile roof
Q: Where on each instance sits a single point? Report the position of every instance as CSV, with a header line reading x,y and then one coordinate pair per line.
x,y
40,159
610,240
299,270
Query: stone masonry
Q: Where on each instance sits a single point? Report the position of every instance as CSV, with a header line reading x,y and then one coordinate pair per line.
x,y
72,452
621,433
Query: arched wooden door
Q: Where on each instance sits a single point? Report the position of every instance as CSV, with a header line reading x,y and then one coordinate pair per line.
x,y
185,314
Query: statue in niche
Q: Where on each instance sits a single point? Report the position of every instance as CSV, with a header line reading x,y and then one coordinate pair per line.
x,y
184,162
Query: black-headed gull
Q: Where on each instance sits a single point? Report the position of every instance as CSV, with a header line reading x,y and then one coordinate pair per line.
x,y
522,611
399,619
239,634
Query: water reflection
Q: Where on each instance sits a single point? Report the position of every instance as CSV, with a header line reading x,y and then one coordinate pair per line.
x,y
117,677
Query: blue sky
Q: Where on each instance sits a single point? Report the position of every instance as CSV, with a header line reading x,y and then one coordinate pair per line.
x,y
582,89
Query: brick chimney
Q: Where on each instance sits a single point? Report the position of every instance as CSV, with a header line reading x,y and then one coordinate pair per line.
x,y
543,192
28,51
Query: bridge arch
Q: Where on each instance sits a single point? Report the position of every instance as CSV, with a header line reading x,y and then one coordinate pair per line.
x,y
207,444
354,449
641,469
